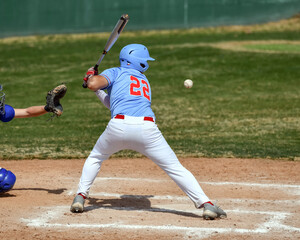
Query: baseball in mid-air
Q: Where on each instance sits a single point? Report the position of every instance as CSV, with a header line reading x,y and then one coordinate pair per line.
x,y
188,83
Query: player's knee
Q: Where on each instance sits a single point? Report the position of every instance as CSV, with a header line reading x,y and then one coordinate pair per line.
x,y
7,180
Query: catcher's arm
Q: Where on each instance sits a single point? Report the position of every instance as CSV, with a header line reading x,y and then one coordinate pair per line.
x,y
33,111
11,113
52,105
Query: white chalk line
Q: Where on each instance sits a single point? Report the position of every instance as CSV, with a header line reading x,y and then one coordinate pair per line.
x,y
184,198
248,184
290,188
166,209
274,223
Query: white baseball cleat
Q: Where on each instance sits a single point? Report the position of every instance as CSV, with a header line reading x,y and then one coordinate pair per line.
x,y
78,204
211,212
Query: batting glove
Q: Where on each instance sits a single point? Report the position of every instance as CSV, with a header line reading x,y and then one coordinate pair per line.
x,y
91,72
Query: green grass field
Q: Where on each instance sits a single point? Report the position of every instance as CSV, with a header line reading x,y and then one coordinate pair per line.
x,y
242,104
275,47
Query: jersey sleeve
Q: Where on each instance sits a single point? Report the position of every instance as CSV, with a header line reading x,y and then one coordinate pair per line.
x,y
110,75
9,114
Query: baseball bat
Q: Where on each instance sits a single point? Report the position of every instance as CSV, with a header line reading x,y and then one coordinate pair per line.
x,y
111,40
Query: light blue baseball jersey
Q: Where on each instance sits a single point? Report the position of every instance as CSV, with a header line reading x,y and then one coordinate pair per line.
x,y
129,91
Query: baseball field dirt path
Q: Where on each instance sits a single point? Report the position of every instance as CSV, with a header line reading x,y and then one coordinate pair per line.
x,y
134,199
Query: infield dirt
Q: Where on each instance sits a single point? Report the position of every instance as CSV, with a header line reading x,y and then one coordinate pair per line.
x,y
134,199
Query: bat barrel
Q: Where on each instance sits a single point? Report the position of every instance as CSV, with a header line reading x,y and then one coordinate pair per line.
x,y
125,17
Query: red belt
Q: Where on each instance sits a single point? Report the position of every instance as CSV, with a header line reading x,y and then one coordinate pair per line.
x,y
151,119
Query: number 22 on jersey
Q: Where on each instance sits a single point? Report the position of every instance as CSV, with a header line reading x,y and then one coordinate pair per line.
x,y
136,85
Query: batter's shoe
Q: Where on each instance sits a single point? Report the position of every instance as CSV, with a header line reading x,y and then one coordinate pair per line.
x,y
78,204
211,211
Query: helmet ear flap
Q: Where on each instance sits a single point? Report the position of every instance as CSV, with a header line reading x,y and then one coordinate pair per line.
x,y
124,63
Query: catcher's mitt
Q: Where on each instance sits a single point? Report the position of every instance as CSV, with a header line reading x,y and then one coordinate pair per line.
x,y
52,100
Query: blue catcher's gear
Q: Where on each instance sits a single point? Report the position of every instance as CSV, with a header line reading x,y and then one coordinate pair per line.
x,y
9,114
135,56
2,102
7,180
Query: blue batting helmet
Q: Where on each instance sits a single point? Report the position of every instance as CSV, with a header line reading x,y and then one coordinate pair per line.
x,y
7,180
135,56
9,114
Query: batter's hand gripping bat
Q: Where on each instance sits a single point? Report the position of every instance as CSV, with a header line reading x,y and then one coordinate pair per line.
x,y
112,39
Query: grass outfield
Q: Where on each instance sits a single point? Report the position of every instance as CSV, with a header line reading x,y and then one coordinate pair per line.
x,y
293,48
243,103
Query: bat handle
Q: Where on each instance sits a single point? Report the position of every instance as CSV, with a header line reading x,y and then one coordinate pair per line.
x,y
84,84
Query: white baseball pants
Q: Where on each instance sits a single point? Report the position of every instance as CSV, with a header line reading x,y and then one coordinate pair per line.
x,y
136,134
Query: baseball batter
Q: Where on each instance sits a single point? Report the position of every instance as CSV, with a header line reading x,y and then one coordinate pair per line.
x,y
132,126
